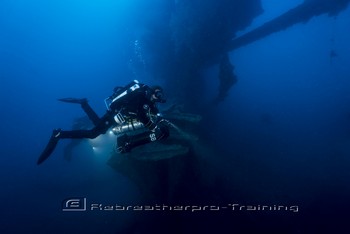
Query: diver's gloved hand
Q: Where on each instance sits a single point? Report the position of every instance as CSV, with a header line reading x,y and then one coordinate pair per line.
x,y
123,144
158,118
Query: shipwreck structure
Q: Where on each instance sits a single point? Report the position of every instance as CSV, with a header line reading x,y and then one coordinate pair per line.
x,y
192,37
195,35
300,14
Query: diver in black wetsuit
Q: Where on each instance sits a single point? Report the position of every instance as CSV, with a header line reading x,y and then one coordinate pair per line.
x,y
136,101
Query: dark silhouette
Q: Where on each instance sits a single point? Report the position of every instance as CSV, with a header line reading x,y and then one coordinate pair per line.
x,y
300,14
227,78
134,102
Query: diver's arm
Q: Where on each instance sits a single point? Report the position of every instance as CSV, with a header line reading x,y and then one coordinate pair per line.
x,y
145,117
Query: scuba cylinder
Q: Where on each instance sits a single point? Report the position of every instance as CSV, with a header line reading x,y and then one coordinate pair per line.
x,y
127,127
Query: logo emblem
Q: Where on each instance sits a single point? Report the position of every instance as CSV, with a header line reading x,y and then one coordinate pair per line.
x,y
74,204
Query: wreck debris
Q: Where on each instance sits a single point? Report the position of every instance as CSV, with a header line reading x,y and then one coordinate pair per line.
x,y
300,14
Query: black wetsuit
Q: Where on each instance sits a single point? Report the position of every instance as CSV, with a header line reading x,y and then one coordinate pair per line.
x,y
137,105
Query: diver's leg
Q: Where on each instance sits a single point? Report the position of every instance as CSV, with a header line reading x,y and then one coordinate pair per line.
x,y
58,134
51,145
79,134
90,113
101,128
73,100
86,107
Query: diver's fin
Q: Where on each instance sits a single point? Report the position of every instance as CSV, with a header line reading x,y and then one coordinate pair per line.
x,y
73,100
50,146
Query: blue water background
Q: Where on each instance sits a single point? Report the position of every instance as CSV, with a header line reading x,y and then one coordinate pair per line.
x,y
282,134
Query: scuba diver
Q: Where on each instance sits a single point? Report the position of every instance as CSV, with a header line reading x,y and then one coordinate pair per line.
x,y
133,106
